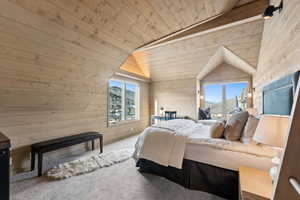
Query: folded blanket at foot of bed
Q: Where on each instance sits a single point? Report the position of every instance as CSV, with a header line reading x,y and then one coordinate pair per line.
x,y
165,144
160,145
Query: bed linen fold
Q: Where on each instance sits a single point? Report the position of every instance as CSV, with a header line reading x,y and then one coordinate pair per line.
x,y
165,143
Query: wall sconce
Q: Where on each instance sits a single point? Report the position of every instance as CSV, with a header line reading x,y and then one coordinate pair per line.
x,y
201,97
249,95
271,9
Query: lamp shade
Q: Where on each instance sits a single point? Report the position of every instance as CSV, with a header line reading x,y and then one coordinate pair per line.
x,y
271,130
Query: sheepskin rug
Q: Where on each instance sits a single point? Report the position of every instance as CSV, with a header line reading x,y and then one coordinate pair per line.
x,y
89,164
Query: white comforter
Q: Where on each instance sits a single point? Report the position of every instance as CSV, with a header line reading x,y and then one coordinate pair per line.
x,y
165,144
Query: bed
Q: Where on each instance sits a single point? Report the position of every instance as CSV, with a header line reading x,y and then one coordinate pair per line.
x,y
211,165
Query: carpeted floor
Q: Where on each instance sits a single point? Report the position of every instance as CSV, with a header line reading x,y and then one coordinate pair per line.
x,y
118,182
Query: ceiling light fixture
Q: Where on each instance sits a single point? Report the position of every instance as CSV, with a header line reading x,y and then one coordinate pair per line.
x,y
271,9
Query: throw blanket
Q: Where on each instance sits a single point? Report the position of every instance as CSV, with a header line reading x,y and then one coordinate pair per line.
x,y
165,144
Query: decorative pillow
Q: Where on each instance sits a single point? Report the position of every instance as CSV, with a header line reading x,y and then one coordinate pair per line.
x,y
235,126
216,130
249,130
204,114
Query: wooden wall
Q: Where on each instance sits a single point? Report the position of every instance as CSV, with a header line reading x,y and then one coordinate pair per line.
x,y
174,66
176,95
279,56
226,73
56,57
280,48
54,72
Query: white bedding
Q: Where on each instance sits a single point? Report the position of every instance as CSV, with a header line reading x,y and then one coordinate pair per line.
x,y
229,155
196,144
162,146
165,144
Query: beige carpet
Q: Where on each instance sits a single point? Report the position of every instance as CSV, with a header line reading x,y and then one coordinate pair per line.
x,y
118,182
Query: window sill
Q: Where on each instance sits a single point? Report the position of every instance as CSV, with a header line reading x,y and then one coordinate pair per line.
x,y
123,122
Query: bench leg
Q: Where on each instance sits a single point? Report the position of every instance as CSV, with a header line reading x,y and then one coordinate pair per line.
x,y
32,160
40,164
93,145
101,145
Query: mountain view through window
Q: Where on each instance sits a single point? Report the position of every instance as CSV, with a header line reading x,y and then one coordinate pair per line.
x,y
225,99
122,101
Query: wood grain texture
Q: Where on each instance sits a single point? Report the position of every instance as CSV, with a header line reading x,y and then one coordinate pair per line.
x,y
175,95
255,184
186,58
241,12
225,73
56,57
280,48
131,65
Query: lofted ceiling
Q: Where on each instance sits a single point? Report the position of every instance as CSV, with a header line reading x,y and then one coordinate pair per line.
x,y
184,55
54,52
186,58
126,24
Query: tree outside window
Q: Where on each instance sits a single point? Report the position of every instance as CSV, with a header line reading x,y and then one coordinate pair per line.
x,y
123,101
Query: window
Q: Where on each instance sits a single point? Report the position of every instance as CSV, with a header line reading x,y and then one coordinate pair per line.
x,y
123,101
225,99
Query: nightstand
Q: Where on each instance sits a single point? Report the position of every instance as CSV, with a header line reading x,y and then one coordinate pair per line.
x,y
254,184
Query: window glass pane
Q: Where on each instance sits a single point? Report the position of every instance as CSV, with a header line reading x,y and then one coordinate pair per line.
x,y
236,97
225,99
130,101
115,101
213,99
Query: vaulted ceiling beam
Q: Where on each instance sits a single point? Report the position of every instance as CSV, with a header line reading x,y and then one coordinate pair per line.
x,y
243,14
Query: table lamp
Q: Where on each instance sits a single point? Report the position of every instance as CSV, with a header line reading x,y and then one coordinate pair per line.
x,y
272,130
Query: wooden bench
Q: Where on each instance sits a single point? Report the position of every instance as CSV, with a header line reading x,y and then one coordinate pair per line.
x,y
50,145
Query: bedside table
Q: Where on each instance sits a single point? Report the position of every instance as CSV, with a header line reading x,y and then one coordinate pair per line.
x,y
255,184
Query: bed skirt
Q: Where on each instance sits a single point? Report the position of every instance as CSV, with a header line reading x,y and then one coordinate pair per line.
x,y
197,176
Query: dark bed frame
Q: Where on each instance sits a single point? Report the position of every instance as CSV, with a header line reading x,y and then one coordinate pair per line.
x,y
197,176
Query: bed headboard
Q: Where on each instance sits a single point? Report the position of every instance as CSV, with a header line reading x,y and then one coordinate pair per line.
x,y
278,96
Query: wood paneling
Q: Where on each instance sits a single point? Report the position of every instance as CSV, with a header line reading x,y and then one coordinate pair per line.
x,y
56,57
184,59
226,73
131,65
239,13
175,95
280,48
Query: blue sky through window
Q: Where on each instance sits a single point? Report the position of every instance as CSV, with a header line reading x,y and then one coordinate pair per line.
x,y
130,87
213,92
115,83
235,89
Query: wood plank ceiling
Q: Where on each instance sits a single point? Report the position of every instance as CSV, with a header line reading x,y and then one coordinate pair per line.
x,y
185,56
54,51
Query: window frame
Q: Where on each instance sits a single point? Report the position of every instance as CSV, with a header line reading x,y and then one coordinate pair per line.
x,y
137,101
222,84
